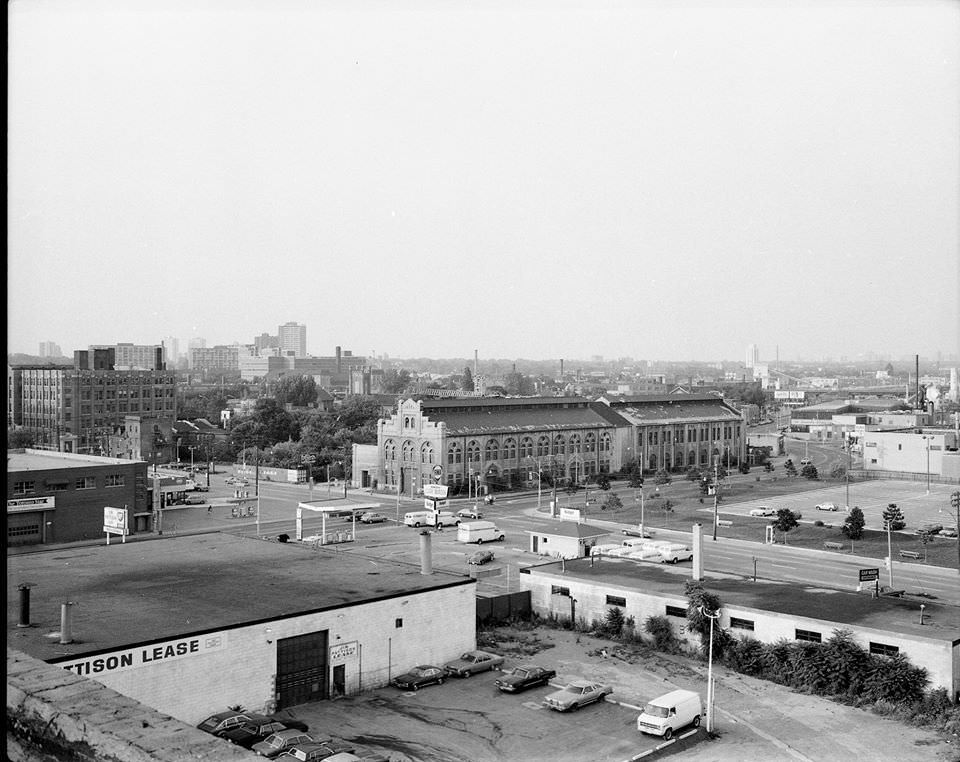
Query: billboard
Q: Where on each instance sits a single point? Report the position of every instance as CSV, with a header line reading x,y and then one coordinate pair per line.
x,y
435,491
115,521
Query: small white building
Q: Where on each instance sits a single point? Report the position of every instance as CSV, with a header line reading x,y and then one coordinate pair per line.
x,y
929,452
565,539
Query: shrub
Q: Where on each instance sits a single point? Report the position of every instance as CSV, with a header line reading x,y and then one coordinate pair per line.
x,y
660,629
818,523
613,622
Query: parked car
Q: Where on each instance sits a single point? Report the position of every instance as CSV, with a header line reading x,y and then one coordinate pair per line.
x,y
254,730
314,752
372,518
763,510
636,533
469,513
827,507
577,694
224,721
368,756
480,557
604,549
523,677
419,677
200,488
275,744
194,500
472,662
948,532
674,552
929,528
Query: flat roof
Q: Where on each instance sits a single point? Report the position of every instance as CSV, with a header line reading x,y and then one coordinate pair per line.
x,y
898,615
140,592
48,460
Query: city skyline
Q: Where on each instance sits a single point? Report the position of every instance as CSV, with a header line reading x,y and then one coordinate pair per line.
x,y
550,181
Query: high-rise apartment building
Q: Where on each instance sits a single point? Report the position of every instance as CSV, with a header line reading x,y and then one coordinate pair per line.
x,y
219,357
135,356
753,355
171,351
293,339
265,342
50,349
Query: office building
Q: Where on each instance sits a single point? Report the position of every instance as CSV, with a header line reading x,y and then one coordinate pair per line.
x,y
50,349
753,355
219,357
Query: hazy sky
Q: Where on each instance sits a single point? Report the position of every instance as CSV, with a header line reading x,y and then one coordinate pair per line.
x,y
528,179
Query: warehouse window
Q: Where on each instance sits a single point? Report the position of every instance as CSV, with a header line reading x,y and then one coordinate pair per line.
x,y
882,649
114,480
809,636
58,486
24,488
616,600
398,623
557,590
741,624
678,611
86,482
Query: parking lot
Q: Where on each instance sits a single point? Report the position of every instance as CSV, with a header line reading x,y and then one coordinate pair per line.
x,y
469,719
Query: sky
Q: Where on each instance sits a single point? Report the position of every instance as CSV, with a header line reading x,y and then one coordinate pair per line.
x,y
657,180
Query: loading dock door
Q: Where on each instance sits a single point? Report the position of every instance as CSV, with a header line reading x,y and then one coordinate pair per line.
x,y
301,669
24,528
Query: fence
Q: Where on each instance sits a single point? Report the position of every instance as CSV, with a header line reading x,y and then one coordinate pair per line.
x,y
495,608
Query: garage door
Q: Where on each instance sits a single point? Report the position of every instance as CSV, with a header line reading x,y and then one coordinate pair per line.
x,y
301,669
24,528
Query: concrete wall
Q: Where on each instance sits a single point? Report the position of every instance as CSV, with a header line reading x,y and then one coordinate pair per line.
x,y
938,657
55,712
437,625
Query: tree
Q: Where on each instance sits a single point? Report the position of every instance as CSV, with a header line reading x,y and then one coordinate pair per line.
x,y
396,382
662,477
613,621
838,471
18,439
467,382
268,424
693,473
297,390
744,467
698,601
636,475
612,502
602,481
785,521
853,526
809,471
768,467
893,516
790,468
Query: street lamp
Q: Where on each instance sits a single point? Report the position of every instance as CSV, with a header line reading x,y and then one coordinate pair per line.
x,y
711,617
889,554
927,440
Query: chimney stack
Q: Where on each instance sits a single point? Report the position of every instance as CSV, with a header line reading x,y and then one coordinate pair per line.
x,y
426,558
66,622
697,551
24,606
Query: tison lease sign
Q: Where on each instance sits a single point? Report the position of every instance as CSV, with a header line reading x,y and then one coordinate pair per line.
x,y
141,656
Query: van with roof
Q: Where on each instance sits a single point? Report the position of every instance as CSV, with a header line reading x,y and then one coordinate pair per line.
x,y
665,715
479,532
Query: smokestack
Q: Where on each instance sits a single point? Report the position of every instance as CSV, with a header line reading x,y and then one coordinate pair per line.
x,y
426,558
917,361
561,367
66,622
24,606
474,364
697,551
338,359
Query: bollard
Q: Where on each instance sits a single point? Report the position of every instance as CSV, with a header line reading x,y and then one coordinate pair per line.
x,y
66,617
24,606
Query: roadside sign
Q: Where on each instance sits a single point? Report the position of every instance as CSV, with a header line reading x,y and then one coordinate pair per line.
x,y
438,472
869,575
436,491
432,504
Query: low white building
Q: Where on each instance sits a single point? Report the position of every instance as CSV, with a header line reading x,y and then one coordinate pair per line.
x,y
929,452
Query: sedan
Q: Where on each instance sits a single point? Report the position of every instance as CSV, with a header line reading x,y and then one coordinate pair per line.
x,y
948,532
472,662
275,744
523,677
763,511
827,507
469,513
217,723
480,557
314,752
372,518
257,728
418,677
576,695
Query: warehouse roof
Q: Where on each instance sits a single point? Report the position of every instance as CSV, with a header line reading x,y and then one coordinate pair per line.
x,y
140,592
47,460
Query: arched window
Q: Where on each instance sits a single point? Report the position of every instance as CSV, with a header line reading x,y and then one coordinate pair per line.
x,y
590,442
605,443
560,445
575,444
408,451
692,458
473,451
510,449
526,447
454,454
426,453
543,446
389,450
492,451
704,461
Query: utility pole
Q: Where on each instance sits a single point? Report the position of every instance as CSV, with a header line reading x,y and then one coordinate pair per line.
x,y
716,496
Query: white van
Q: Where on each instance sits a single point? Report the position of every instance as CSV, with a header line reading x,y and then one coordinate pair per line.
x,y
670,712
479,532
430,519
673,552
